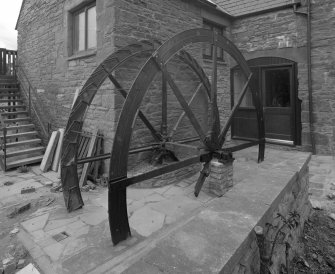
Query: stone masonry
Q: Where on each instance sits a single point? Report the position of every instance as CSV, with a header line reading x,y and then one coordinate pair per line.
x,y
282,33
220,178
44,29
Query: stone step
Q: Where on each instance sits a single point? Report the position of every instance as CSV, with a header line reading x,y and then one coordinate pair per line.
x,y
23,143
11,100
10,94
16,120
20,134
12,106
26,161
19,127
25,151
23,112
7,77
9,90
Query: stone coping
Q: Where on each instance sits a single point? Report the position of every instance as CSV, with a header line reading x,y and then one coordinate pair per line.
x,y
197,235
214,239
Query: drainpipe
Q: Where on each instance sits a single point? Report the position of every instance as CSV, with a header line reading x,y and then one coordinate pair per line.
x,y
309,70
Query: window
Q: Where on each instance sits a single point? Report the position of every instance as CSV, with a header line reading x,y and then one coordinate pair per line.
x,y
84,28
208,49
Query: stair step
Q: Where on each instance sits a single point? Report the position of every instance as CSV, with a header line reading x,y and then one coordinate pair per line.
x,y
15,113
20,134
8,78
11,95
8,81
28,126
10,100
24,119
11,85
22,143
12,106
27,161
9,89
25,151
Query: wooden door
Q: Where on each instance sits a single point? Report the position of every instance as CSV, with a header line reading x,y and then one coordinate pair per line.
x,y
277,93
277,86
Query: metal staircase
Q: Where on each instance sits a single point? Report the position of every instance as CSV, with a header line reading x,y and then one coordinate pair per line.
x,y
19,139
20,144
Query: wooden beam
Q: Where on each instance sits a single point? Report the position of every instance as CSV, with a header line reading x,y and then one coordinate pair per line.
x,y
125,182
49,153
56,159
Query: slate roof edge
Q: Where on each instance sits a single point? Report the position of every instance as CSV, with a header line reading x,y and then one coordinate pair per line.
x,y
212,6
18,18
266,10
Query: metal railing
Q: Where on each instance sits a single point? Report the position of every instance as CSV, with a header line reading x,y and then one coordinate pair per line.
x,y
3,144
7,61
27,90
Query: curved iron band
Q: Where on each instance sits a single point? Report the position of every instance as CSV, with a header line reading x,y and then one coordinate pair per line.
x,y
83,101
118,217
69,175
162,55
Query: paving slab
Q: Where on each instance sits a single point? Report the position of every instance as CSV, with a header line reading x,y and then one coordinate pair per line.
x,y
154,221
154,215
20,183
37,223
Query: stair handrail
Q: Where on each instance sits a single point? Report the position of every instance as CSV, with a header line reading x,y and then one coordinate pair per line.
x,y
3,144
7,61
18,70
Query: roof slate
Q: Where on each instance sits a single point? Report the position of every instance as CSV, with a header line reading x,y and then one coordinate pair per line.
x,y
243,7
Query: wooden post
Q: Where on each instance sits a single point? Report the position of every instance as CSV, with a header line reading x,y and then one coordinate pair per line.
x,y
164,107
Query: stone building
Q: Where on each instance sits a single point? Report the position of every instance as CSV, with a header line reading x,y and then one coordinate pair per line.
x,y
288,45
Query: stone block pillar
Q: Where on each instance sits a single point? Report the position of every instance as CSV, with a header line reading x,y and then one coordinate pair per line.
x,y
220,179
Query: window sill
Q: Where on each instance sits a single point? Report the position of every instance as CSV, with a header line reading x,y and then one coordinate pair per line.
x,y
83,54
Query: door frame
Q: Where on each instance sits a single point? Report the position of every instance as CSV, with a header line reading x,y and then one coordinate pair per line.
x,y
261,64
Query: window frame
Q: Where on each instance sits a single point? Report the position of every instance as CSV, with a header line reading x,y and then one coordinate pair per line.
x,y
222,30
82,9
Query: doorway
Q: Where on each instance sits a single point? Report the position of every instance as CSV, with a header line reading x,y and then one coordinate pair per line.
x,y
275,79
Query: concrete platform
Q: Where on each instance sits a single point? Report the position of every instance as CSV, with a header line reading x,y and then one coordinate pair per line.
x,y
172,231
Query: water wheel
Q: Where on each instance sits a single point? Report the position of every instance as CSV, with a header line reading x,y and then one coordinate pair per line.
x,y
212,138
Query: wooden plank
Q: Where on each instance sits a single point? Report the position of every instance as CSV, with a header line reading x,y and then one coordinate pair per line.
x,y
49,153
75,96
93,142
97,164
82,146
56,159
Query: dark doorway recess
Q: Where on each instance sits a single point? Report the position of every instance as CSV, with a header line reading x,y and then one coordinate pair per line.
x,y
276,80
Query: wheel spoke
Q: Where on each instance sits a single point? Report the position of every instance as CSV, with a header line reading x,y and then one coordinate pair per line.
x,y
235,108
184,105
144,119
182,115
214,125
164,107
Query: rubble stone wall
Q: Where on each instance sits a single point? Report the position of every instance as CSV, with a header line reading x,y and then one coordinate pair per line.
x,y
283,34
45,54
293,199
323,75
